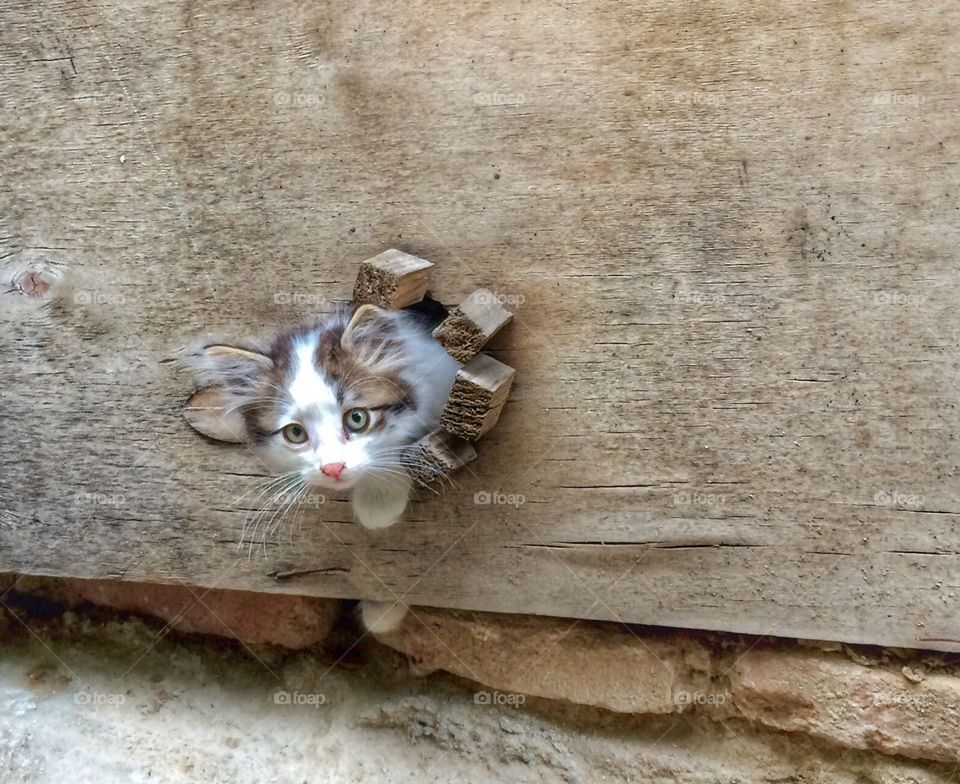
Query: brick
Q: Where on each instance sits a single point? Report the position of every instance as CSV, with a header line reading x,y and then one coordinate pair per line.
x,y
256,618
558,659
834,698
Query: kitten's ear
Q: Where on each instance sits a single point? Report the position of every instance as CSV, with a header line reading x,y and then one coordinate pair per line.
x,y
236,361
227,375
367,321
234,367
212,412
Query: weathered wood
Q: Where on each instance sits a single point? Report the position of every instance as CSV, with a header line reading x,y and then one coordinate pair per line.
x,y
392,280
728,233
436,456
477,397
472,324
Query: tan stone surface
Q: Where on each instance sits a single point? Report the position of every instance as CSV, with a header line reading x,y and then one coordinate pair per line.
x,y
832,697
277,619
557,659
861,704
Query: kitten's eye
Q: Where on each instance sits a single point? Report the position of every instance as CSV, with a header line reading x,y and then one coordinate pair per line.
x,y
295,433
356,420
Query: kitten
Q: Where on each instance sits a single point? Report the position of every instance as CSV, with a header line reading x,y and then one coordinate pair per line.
x,y
333,404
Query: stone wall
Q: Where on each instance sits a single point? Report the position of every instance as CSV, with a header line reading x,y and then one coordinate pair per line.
x,y
900,705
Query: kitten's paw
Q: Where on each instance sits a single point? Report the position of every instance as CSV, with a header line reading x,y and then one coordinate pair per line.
x,y
378,504
377,516
382,617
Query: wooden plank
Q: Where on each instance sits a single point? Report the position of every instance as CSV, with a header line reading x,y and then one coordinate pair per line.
x,y
437,456
728,234
477,397
472,324
392,280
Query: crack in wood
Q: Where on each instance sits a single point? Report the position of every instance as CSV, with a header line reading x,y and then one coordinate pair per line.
x,y
280,576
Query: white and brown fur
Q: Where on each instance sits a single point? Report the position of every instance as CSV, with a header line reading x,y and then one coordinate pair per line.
x,y
384,362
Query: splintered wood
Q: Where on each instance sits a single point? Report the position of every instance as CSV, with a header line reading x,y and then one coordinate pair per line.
x,y
477,397
482,384
392,280
471,324
436,455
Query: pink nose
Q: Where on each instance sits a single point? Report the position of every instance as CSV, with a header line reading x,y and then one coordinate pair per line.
x,y
333,469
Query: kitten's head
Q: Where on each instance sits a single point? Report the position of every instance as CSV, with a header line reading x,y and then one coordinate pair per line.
x,y
334,401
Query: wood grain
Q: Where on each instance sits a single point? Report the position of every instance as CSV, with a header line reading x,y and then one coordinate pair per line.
x,y
728,234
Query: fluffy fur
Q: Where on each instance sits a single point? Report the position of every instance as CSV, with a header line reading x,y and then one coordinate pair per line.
x,y
383,364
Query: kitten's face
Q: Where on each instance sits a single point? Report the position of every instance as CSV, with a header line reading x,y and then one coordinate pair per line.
x,y
331,415
339,401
